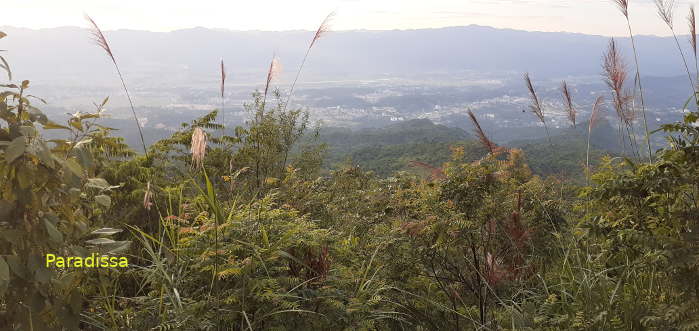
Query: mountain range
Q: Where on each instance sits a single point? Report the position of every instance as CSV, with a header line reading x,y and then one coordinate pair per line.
x,y
67,54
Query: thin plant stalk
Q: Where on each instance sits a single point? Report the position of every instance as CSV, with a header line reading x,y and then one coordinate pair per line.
x,y
693,42
322,30
624,8
593,119
101,41
223,99
615,74
666,12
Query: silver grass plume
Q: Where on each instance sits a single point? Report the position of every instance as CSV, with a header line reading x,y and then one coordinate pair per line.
x,y
198,147
101,41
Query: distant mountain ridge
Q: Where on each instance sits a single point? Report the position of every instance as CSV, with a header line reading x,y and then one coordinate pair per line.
x,y
193,53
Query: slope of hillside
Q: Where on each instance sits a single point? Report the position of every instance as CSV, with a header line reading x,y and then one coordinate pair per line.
x,y
393,148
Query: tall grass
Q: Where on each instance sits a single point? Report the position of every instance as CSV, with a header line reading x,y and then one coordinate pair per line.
x,y
594,116
568,101
223,97
487,143
273,72
535,105
623,6
692,22
614,75
323,29
666,11
101,41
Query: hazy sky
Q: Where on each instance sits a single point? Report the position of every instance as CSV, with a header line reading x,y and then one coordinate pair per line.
x,y
584,16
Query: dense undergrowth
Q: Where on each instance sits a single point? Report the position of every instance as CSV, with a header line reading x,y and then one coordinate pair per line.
x,y
240,230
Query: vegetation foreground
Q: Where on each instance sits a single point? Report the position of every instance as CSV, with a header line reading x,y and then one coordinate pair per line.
x,y
243,229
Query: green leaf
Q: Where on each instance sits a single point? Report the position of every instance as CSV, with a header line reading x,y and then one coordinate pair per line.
x,y
52,125
98,183
118,246
35,97
104,200
6,66
106,231
44,155
15,149
35,115
54,234
17,266
74,167
100,241
83,142
43,274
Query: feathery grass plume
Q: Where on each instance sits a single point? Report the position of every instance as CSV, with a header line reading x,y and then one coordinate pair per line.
x,y
100,40
198,147
615,74
666,10
536,106
147,197
323,29
594,116
273,72
692,20
223,79
623,6
492,147
568,100
223,91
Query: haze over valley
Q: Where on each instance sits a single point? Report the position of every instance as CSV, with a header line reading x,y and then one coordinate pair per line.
x,y
354,79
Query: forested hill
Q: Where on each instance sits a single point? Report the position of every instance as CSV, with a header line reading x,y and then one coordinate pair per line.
x,y
393,148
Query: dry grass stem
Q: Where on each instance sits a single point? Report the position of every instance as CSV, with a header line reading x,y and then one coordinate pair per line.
x,y
223,98
323,29
594,116
101,41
